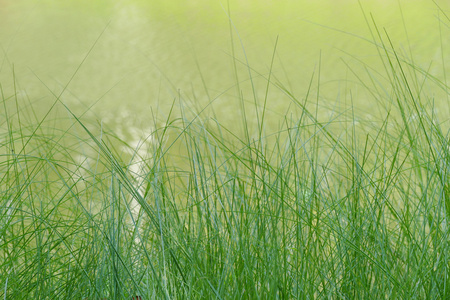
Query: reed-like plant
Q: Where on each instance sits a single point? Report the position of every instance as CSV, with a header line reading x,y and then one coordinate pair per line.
x,y
335,209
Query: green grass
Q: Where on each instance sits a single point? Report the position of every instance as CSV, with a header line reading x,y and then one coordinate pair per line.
x,y
336,209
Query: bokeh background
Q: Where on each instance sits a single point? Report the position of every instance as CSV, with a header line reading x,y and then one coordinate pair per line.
x,y
133,59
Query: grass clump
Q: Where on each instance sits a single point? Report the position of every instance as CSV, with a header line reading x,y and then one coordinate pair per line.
x,y
334,209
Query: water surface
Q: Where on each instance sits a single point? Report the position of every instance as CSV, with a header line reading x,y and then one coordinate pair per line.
x,y
126,62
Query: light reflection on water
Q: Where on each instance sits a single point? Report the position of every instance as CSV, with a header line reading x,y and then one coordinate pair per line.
x,y
153,52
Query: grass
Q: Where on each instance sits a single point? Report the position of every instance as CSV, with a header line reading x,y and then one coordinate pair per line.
x,y
335,209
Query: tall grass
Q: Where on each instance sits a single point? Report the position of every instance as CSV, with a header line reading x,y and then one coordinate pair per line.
x,y
335,209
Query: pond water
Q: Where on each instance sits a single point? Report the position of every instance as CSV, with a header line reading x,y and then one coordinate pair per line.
x,y
125,62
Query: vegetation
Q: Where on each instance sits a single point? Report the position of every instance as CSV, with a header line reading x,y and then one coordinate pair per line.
x,y
338,209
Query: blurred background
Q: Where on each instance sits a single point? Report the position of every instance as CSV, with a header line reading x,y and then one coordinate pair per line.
x,y
125,62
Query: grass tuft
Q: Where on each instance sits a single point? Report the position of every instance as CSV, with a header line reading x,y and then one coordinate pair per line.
x,y
342,208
